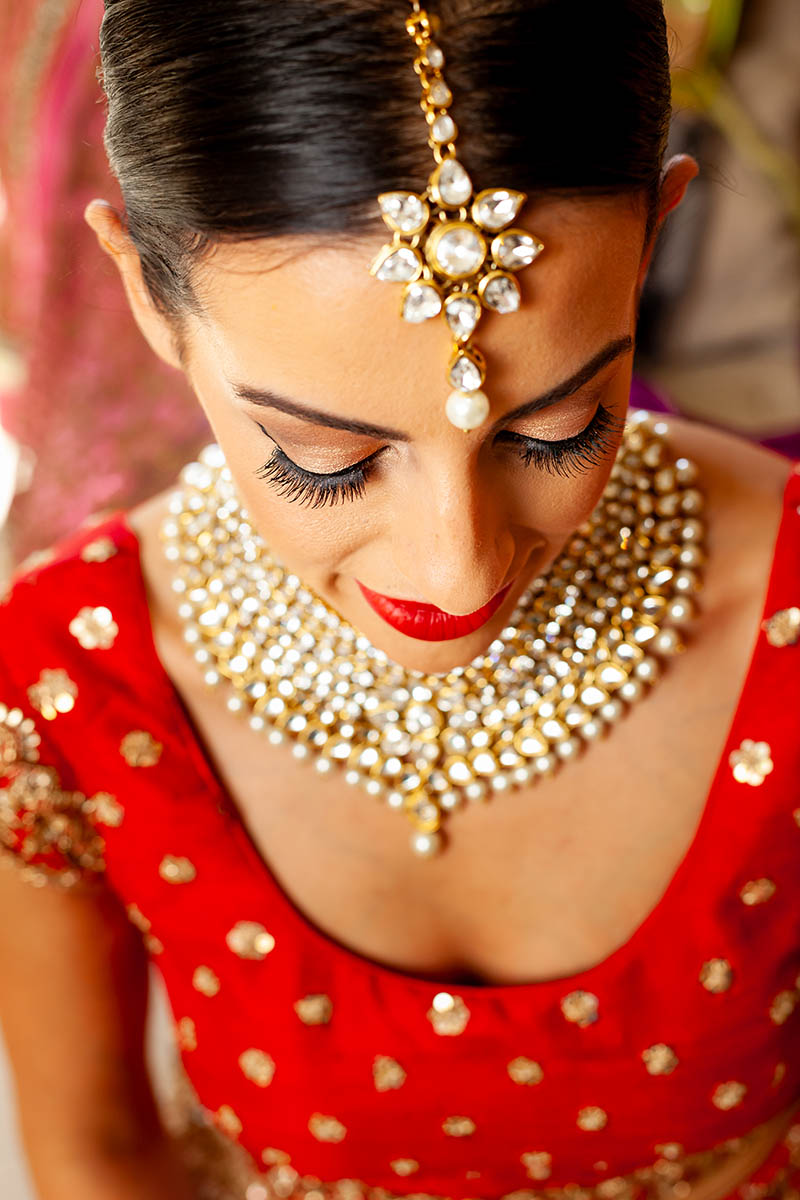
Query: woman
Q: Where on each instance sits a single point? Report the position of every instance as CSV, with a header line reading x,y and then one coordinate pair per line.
x,y
587,982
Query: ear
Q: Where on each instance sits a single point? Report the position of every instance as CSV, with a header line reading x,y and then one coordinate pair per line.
x,y
676,176
113,239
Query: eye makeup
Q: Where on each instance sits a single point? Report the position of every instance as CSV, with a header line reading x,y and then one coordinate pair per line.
x,y
568,457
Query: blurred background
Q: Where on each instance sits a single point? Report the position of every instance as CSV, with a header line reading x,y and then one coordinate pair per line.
x,y
90,420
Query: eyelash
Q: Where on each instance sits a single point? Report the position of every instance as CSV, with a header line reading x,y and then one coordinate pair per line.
x,y
567,457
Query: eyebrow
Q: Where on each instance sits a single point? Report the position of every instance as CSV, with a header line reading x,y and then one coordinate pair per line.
x,y
269,399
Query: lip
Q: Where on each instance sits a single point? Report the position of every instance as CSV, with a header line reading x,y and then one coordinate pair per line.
x,y
426,622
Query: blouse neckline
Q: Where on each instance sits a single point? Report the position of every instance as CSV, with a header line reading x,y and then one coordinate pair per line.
x,y
252,860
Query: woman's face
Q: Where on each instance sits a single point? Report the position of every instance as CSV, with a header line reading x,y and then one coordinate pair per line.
x,y
329,409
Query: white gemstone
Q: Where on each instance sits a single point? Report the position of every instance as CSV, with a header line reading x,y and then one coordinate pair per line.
x,y
465,375
502,294
459,252
462,314
496,209
400,267
440,93
515,249
453,183
421,302
407,212
425,845
467,410
443,128
435,56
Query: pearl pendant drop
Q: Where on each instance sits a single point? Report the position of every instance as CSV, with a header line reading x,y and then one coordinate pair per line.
x,y
467,410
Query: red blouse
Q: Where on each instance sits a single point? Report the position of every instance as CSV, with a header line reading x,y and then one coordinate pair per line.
x,y
323,1065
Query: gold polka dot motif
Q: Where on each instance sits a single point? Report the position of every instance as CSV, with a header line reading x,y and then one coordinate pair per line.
x,y
53,693
19,740
458,1126
716,975
660,1059
316,1009
94,628
228,1121
404,1166
752,762
537,1164
137,917
140,749
106,809
592,1118
783,627
249,939
99,550
757,891
729,1094
257,1066
177,870
580,1007
525,1070
205,980
186,1034
387,1073
783,1006
448,1014
326,1128
275,1158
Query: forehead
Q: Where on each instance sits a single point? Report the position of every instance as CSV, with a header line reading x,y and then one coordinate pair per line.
x,y
308,319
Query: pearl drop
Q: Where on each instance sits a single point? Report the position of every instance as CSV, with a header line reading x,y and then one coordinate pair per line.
x,y
395,799
299,750
425,845
323,765
467,410
275,737
374,787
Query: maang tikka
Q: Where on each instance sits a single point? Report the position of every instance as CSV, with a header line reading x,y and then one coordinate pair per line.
x,y
455,253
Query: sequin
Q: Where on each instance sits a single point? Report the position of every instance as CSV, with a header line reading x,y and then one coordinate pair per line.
x,y
458,1126
176,870
757,891
99,550
249,939
404,1166
660,1059
729,1094
186,1033
592,1117
315,1009
537,1163
257,1066
716,975
783,627
751,763
326,1128
140,749
782,1007
228,1121
19,740
525,1070
387,1073
95,628
205,981
580,1007
106,809
53,693
273,1157
448,1014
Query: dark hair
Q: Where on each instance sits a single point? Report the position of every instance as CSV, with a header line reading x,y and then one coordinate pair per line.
x,y
243,119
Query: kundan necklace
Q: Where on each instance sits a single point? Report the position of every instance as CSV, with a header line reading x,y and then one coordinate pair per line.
x,y
583,642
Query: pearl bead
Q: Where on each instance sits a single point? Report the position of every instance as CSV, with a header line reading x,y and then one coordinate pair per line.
x,y
323,765
648,669
299,750
425,845
611,710
467,410
666,641
631,690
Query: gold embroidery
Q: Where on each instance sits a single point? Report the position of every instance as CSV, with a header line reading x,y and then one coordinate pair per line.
x,y
271,1156
404,1166
448,1014
778,1074
325,1128
729,1094
206,981
783,627
751,762
314,1010
757,891
53,693
106,809
716,975
95,628
458,1126
137,917
387,1073
249,939
592,1117
257,1066
660,1059
782,1007
525,1070
19,740
228,1120
580,1007
537,1163
186,1033
153,944
100,550
176,870
140,749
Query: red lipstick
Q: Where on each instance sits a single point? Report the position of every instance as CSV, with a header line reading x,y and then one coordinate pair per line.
x,y
426,622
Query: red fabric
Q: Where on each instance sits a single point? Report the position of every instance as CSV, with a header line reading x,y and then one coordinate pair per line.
x,y
648,990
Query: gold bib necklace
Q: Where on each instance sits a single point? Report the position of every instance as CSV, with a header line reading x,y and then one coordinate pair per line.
x,y
583,642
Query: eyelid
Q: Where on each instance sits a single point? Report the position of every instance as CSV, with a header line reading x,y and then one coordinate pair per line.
x,y
342,471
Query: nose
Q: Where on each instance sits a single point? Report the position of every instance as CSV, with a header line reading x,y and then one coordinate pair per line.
x,y
454,545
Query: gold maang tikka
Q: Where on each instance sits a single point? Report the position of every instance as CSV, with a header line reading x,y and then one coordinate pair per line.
x,y
455,253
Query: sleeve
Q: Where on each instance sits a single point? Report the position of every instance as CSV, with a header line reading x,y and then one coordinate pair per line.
x,y
46,829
